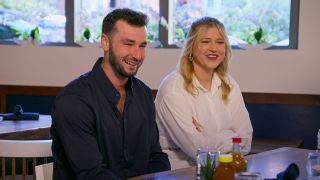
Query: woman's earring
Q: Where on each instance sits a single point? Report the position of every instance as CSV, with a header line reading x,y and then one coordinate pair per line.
x,y
190,57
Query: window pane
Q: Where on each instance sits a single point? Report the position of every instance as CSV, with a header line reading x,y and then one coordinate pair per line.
x,y
241,19
23,16
90,13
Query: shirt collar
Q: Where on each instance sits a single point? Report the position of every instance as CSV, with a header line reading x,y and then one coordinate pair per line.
x,y
215,84
106,85
129,87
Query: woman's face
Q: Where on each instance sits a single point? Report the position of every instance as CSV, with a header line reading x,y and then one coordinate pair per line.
x,y
209,50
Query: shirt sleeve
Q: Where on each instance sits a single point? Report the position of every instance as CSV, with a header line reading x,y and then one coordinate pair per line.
x,y
175,113
158,160
241,123
74,124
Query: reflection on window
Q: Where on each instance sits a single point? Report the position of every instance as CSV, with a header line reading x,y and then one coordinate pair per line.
x,y
19,18
241,19
90,13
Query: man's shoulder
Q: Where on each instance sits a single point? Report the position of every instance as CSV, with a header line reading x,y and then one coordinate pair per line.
x,y
77,86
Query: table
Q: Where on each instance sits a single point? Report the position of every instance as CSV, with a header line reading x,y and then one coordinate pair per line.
x,y
269,163
272,162
26,129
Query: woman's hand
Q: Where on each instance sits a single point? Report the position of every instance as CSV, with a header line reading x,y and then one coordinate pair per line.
x,y
197,125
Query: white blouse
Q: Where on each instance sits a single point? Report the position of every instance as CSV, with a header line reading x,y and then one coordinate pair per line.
x,y
220,120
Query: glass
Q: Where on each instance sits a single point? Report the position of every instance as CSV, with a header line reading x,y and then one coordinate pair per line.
x,y
241,19
248,176
206,163
313,166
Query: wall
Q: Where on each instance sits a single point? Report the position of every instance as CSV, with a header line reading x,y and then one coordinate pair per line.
x,y
270,71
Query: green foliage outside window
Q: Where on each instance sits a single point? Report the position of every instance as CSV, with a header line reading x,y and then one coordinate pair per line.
x,y
153,31
241,18
272,16
29,18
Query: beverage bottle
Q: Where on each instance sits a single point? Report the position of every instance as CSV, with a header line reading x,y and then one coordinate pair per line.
x,y
239,163
318,139
225,169
198,168
313,162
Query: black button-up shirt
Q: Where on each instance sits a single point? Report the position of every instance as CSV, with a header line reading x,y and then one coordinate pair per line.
x,y
90,138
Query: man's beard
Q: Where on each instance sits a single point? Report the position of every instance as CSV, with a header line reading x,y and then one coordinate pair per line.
x,y
118,68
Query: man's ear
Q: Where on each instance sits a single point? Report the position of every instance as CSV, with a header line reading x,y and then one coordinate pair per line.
x,y
105,42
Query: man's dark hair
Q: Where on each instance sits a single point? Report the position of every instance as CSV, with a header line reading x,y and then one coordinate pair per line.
x,y
128,15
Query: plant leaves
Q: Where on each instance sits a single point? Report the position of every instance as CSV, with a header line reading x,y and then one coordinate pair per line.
x,y
258,35
87,34
208,169
35,33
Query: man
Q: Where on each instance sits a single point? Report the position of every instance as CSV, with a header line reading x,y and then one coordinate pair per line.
x,y
104,121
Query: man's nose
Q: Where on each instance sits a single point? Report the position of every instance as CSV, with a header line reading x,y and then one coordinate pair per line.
x,y
138,53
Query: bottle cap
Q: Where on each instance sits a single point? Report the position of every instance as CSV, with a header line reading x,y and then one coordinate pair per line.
x,y
236,139
225,158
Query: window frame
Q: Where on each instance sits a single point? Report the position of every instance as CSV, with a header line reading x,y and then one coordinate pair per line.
x,y
163,32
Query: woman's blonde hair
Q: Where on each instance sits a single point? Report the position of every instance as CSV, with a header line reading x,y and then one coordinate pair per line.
x,y
186,66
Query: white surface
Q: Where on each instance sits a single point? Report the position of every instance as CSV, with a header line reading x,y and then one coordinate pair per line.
x,y
25,148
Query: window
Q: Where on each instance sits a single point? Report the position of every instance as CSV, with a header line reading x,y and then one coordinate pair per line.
x,y
20,18
89,15
169,20
241,19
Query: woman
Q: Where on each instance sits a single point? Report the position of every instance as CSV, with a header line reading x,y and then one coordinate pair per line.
x,y
199,104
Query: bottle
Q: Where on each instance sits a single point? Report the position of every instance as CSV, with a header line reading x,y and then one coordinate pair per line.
x,y
239,163
198,168
313,166
318,146
313,162
225,169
